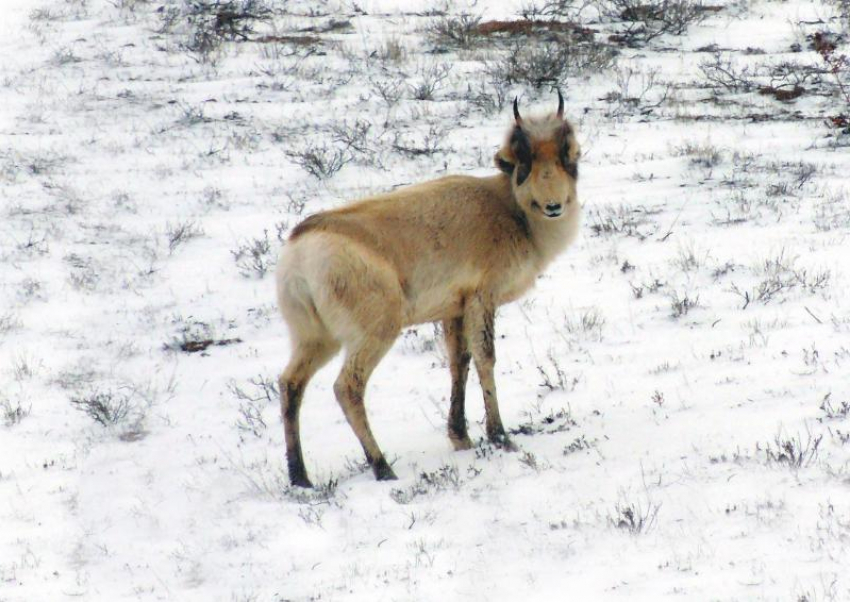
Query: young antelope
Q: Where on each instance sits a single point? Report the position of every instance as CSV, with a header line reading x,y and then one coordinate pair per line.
x,y
450,250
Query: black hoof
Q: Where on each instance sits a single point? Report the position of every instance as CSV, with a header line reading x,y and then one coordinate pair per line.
x,y
460,442
298,476
301,482
382,470
502,441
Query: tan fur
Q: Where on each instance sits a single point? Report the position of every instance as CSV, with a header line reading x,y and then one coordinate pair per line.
x,y
451,250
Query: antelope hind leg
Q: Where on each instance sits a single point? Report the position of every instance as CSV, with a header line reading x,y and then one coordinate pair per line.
x,y
306,359
350,389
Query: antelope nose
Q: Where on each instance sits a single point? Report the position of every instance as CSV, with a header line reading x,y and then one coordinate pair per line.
x,y
553,209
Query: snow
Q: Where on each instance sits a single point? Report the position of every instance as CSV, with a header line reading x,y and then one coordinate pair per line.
x,y
114,135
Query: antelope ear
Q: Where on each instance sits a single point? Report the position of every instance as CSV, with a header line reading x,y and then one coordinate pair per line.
x,y
503,163
572,153
570,150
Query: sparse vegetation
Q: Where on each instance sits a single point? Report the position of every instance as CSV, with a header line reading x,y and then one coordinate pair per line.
x,y
838,66
359,139
321,161
651,286
832,210
9,322
180,233
780,274
430,79
552,375
637,91
620,219
634,517
554,421
705,155
83,274
576,445
418,144
204,25
445,478
588,324
641,21
550,61
834,410
681,303
261,393
254,257
107,408
793,452
196,336
460,31
14,410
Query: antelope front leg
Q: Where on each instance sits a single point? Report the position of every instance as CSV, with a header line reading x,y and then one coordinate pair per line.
x,y
459,366
479,319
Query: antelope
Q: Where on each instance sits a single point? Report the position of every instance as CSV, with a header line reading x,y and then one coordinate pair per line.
x,y
449,250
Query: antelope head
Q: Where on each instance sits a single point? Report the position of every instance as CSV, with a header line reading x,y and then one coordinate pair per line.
x,y
541,158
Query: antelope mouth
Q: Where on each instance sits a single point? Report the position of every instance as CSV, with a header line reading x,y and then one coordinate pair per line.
x,y
551,210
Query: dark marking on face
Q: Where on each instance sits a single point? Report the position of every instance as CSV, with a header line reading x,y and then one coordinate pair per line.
x,y
572,170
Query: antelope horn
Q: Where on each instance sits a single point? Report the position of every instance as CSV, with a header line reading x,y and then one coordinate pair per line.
x,y
516,110
560,105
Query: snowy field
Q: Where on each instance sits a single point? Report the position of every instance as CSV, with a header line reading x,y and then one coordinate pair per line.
x,y
676,382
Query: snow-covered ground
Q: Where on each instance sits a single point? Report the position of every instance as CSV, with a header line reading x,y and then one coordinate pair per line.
x,y
676,382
